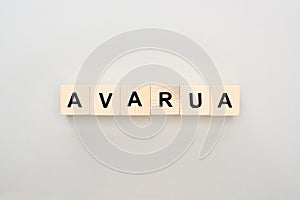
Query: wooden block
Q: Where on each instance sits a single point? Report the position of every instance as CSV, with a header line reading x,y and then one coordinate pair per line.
x,y
194,100
74,100
105,100
225,100
135,100
164,100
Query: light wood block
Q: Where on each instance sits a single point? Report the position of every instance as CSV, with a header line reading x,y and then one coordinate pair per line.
x,y
159,107
196,105
141,100
225,100
105,100
74,100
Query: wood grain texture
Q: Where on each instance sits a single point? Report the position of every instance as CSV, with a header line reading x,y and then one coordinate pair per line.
x,y
185,106
82,92
143,93
96,105
233,93
156,109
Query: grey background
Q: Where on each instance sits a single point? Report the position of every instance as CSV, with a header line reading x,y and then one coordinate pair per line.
x,y
252,43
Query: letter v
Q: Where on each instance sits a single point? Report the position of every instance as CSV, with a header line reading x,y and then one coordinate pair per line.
x,y
105,104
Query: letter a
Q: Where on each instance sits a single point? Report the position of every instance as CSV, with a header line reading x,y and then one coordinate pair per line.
x,y
136,100
225,96
71,102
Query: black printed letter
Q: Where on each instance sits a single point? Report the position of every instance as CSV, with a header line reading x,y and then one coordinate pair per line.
x,y
71,102
224,96
199,101
105,104
166,99
137,100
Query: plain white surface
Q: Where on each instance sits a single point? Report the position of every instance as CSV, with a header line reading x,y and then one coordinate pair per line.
x,y
253,43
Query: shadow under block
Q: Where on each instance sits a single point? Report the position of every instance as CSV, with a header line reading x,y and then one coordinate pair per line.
x,y
199,104
105,100
74,100
135,100
164,100
225,100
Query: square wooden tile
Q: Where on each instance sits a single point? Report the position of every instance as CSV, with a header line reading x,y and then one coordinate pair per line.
x,y
225,100
165,100
105,100
140,100
194,100
74,100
